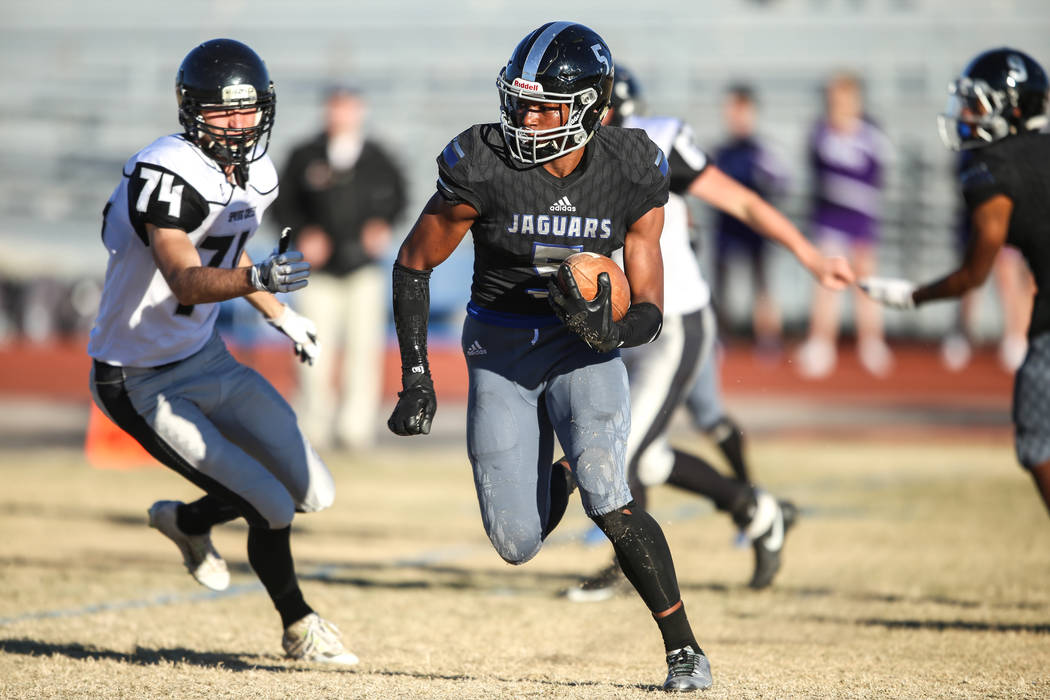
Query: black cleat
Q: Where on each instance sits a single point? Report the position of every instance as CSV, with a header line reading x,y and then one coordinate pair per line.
x,y
769,545
601,586
687,671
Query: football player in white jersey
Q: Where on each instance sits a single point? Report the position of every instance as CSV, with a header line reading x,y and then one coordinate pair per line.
x,y
661,372
175,228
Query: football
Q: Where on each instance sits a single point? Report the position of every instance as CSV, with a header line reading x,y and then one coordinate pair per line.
x,y
585,268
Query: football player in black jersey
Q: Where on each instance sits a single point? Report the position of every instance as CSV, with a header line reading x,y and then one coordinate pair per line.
x,y
540,185
997,107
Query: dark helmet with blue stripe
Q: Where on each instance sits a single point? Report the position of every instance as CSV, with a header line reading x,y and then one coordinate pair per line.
x,y
560,63
1000,92
626,96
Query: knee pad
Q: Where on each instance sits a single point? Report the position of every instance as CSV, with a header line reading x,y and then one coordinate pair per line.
x,y
515,546
278,512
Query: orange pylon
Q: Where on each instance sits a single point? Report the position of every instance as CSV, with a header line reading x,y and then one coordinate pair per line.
x,y
108,447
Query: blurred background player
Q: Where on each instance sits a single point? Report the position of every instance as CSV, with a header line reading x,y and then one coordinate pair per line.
x,y
848,156
997,107
1015,290
743,157
340,193
709,416
542,184
175,228
661,372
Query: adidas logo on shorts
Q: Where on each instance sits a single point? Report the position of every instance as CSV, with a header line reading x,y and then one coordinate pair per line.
x,y
476,349
563,204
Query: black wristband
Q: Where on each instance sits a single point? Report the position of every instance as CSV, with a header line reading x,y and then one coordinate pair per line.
x,y
640,325
411,292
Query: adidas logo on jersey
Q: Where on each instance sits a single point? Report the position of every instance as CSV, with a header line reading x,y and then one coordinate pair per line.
x,y
476,349
563,204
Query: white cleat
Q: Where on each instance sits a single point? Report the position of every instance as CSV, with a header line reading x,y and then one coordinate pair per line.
x,y
198,554
315,639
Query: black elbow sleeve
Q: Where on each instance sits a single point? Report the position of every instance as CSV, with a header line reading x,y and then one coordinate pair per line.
x,y
411,292
640,325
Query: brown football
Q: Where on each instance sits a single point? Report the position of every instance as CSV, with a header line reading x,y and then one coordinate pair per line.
x,y
585,268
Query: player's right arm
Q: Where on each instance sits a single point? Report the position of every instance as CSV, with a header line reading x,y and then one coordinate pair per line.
x,y
987,186
438,230
193,283
723,192
991,223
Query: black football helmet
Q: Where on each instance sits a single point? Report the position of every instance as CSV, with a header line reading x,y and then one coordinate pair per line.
x,y
226,74
561,63
1001,92
626,98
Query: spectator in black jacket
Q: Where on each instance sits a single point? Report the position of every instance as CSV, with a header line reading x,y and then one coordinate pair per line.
x,y
340,193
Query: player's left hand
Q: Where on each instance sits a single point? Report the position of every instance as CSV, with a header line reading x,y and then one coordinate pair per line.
x,y
591,320
283,271
835,273
889,291
302,332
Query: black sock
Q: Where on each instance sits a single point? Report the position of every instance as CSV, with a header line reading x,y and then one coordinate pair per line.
x,y
730,440
270,554
676,631
562,485
643,554
199,517
697,476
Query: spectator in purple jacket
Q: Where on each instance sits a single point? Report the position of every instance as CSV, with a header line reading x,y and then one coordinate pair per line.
x,y
848,156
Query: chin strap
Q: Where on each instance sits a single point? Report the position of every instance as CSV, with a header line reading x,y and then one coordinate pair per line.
x,y
240,175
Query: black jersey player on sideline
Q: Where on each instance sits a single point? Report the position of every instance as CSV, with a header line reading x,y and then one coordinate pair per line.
x,y
997,106
541,185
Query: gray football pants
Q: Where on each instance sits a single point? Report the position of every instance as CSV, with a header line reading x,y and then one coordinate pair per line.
x,y
222,426
1031,409
526,386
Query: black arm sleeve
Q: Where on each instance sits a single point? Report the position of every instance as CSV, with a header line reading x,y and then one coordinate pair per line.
x,y
640,325
411,291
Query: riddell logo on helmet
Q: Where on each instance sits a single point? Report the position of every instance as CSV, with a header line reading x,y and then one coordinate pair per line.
x,y
526,85
238,93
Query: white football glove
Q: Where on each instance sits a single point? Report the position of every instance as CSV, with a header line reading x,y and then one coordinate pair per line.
x,y
302,332
283,271
889,291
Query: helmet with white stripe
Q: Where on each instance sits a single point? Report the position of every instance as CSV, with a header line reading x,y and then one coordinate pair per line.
x,y
560,63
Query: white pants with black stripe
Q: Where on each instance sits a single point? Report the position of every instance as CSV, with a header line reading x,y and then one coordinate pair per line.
x,y
660,374
224,427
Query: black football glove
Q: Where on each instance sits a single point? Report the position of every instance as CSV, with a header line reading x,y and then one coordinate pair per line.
x,y
415,407
591,320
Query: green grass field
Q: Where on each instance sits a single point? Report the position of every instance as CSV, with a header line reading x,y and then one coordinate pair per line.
x,y
916,570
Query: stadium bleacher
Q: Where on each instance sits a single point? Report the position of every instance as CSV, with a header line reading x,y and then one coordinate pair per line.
x,y
86,84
